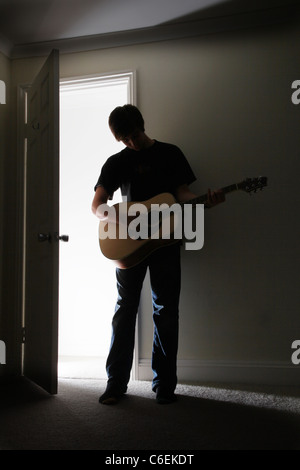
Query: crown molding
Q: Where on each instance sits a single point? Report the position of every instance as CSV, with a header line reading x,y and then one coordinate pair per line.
x,y
163,32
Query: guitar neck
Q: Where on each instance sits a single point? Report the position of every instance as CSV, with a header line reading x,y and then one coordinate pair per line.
x,y
203,198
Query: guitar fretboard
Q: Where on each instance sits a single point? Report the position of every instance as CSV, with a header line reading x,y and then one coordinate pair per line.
x,y
203,198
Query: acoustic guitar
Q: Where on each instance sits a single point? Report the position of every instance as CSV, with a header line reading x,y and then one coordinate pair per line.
x,y
116,242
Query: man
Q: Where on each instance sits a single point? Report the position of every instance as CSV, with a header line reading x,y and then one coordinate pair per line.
x,y
144,169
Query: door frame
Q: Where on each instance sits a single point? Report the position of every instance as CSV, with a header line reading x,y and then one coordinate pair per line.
x,y
132,99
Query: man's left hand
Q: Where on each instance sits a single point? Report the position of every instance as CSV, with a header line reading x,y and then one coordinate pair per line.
x,y
214,198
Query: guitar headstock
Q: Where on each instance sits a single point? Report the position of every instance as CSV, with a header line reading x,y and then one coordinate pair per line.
x,y
253,184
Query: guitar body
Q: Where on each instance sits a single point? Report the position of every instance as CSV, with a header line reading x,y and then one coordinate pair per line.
x,y
127,252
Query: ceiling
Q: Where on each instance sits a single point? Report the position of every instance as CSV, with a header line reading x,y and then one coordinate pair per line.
x,y
25,23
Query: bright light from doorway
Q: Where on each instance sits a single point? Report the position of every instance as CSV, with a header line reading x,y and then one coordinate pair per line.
x,y
87,280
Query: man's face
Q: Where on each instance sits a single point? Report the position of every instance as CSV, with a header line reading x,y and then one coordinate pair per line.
x,y
135,140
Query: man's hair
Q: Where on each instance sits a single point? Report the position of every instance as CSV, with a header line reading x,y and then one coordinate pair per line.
x,y
124,120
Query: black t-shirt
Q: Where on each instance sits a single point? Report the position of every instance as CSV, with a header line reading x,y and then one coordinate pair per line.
x,y
143,174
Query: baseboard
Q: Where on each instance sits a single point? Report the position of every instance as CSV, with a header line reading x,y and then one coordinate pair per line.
x,y
197,371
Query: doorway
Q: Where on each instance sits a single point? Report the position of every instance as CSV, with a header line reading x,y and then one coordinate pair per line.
x,y
87,280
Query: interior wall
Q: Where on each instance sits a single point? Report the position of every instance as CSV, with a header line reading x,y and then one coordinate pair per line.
x,y
225,99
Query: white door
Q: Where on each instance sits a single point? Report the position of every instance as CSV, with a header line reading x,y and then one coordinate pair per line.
x,y
42,227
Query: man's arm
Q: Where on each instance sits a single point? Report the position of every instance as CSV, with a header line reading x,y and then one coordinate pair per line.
x,y
184,194
101,197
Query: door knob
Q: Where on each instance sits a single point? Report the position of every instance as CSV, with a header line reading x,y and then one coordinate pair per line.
x,y
43,237
63,238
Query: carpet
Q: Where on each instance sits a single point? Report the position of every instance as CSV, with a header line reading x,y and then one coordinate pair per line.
x,y
205,417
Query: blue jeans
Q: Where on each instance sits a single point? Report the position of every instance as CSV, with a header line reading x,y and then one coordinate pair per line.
x,y
165,279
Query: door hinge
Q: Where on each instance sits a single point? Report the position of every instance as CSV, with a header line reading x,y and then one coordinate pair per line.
x,y
23,335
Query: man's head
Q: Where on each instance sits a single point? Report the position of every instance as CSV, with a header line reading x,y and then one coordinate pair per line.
x,y
127,125
125,120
